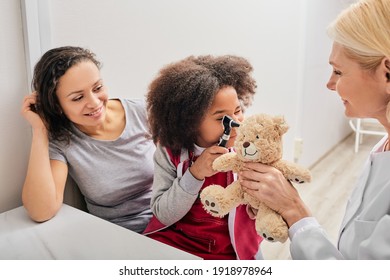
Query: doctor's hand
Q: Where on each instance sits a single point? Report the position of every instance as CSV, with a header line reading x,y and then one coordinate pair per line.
x,y
268,185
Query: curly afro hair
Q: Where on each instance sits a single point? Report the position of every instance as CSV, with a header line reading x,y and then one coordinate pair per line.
x,y
182,92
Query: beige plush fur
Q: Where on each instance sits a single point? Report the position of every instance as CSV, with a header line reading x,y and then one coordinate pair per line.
x,y
259,139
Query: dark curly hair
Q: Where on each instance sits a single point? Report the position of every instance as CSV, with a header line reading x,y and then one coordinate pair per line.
x,y
47,72
182,92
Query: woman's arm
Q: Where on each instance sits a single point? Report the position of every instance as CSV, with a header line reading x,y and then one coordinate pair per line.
x,y
44,184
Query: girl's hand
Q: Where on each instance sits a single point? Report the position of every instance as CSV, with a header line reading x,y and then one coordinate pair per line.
x,y
28,113
268,185
202,167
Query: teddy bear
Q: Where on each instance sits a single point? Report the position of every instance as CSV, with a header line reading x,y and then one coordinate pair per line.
x,y
259,139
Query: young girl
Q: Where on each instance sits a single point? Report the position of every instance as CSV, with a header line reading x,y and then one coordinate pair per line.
x,y
186,104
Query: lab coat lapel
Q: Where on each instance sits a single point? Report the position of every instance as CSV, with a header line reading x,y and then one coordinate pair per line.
x,y
356,198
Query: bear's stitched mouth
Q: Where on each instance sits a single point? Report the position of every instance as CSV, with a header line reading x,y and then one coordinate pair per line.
x,y
249,151
249,154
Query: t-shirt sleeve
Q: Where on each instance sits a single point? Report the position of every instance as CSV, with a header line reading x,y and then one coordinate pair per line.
x,y
137,112
56,152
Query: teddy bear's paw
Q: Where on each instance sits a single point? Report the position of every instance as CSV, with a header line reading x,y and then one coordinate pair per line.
x,y
211,206
272,227
297,180
212,199
267,236
273,237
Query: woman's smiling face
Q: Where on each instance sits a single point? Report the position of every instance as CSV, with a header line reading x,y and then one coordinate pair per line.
x,y
82,95
363,92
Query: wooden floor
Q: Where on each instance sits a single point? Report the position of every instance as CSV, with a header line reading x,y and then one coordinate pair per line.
x,y
327,194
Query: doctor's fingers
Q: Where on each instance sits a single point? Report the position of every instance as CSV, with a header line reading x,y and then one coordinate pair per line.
x,y
256,183
269,177
249,185
259,167
262,192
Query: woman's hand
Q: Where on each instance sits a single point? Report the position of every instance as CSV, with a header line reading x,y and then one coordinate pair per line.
x,y
203,166
268,185
28,113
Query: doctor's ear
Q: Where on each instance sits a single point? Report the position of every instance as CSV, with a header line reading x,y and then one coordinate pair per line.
x,y
387,65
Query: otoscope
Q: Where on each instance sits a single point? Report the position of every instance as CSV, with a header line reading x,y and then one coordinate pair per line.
x,y
227,123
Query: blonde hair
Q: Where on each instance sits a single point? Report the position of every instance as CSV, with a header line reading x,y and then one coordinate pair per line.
x,y
364,30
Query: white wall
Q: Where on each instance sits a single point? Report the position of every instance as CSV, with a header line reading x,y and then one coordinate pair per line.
x,y
15,133
320,115
284,40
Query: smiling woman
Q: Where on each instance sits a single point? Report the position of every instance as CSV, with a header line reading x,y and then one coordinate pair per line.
x,y
361,76
83,98
78,129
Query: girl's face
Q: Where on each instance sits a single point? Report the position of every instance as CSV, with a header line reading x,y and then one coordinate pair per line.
x,y
82,95
225,103
362,92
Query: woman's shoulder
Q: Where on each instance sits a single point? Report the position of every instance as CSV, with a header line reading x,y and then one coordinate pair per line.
x,y
133,103
133,106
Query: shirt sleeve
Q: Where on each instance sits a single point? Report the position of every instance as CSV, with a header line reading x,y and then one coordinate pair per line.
x,y
172,197
56,152
310,242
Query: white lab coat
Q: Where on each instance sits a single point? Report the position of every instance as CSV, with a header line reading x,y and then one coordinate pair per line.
x,y
365,230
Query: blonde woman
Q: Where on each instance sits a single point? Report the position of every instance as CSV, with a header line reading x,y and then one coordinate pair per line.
x,y
361,76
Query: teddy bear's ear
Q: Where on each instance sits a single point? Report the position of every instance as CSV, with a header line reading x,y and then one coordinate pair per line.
x,y
280,124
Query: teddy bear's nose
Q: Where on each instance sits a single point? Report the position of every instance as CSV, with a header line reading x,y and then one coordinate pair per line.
x,y
246,144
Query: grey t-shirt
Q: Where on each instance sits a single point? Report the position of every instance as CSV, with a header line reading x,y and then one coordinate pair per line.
x,y
116,176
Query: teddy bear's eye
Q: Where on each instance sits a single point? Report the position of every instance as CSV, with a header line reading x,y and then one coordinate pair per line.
x,y
257,137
